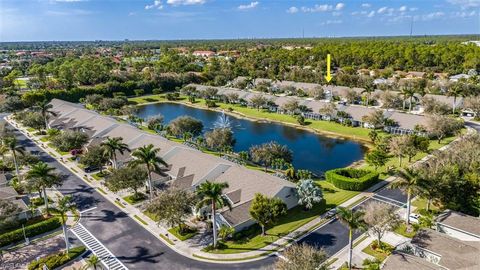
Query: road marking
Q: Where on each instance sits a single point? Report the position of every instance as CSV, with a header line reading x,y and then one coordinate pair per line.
x,y
90,209
93,244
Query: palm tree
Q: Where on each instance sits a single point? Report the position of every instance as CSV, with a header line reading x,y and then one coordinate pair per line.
x,y
354,221
44,107
408,92
148,155
64,204
111,146
212,193
369,89
408,180
14,148
455,91
93,262
43,177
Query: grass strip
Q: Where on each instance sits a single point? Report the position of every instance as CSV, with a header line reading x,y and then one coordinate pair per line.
x,y
102,191
119,204
141,220
168,240
360,240
235,259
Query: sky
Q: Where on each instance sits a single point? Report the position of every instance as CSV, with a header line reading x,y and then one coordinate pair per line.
x,y
45,20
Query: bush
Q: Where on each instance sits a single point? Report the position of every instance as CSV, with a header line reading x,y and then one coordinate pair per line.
x,y
58,259
351,179
32,230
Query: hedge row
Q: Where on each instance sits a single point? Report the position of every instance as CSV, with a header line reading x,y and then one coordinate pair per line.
x,y
351,179
56,260
30,231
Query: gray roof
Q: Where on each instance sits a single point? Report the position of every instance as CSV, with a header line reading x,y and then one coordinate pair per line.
x,y
239,214
399,260
192,166
455,254
460,221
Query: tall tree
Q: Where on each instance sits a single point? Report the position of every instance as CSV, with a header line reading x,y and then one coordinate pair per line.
x,y
172,207
113,145
132,178
408,182
148,155
45,109
65,205
43,176
456,90
212,194
354,221
380,218
369,89
302,257
266,153
15,149
266,210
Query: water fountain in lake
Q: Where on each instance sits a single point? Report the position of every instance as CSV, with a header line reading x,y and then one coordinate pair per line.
x,y
223,121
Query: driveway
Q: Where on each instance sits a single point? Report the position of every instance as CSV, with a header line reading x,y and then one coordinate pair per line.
x,y
333,236
125,238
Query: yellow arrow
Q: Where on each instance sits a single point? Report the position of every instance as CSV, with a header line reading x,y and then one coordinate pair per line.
x,y
329,76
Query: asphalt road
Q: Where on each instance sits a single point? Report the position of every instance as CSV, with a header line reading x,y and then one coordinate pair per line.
x,y
125,238
333,236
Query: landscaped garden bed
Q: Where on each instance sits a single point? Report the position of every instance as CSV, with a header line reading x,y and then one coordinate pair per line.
x,y
56,260
380,253
352,179
132,199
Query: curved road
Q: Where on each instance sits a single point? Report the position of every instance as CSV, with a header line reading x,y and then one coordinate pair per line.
x,y
124,237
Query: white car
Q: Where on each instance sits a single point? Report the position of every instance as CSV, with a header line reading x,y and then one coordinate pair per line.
x,y
414,218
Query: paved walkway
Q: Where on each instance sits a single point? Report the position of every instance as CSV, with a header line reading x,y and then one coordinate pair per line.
x,y
20,258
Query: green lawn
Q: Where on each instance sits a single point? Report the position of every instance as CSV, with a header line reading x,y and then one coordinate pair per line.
x,y
63,153
402,230
99,175
421,204
131,199
183,236
295,218
379,254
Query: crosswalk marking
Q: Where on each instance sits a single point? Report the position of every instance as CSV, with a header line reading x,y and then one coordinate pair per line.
x,y
92,243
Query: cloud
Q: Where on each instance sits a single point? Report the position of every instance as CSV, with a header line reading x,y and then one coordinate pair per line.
x,y
432,16
249,6
331,22
336,13
339,6
68,12
463,14
413,9
465,4
403,8
185,2
382,10
366,5
292,10
69,1
156,4
371,14
318,8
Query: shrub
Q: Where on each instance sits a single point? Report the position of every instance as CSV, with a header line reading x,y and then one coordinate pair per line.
x,y
58,259
32,230
351,179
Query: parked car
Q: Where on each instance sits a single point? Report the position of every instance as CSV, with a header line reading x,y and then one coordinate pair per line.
x,y
414,218
90,169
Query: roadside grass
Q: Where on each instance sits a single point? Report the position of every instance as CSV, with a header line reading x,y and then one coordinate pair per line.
x,y
150,215
100,175
168,240
119,204
44,139
102,191
251,239
379,254
141,220
63,153
402,230
420,205
182,236
131,199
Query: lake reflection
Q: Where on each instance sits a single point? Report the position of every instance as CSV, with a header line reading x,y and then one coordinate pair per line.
x,y
311,151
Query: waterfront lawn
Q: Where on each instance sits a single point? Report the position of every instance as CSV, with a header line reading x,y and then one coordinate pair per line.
x,y
146,99
251,239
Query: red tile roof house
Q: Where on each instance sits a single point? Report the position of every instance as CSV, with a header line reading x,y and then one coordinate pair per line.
x,y
204,53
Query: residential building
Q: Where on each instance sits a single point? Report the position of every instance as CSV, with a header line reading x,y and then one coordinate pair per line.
x,y
187,168
459,225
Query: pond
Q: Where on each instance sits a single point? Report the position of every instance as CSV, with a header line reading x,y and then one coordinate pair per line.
x,y
311,151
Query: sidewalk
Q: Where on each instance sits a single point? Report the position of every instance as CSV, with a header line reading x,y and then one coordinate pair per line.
x,y
190,248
